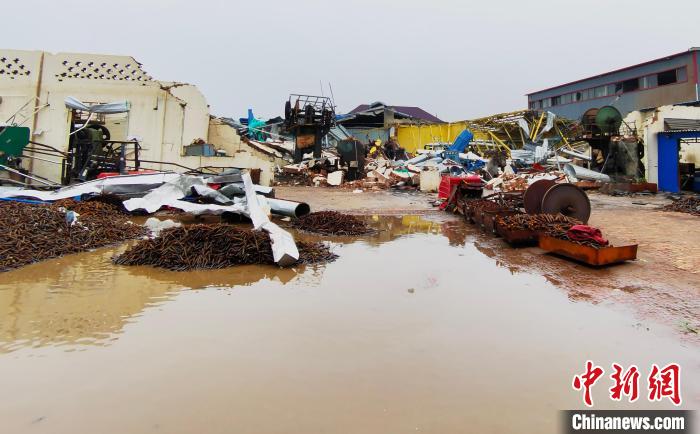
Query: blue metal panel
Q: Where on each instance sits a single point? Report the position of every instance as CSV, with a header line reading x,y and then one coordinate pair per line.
x,y
669,179
668,144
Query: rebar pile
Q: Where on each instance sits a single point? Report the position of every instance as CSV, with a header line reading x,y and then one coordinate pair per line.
x,y
482,204
90,208
690,205
213,246
32,233
537,222
332,223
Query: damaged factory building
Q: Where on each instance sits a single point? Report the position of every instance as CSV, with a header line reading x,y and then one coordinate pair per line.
x,y
68,107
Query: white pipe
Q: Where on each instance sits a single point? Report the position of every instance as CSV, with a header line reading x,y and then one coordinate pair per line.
x,y
288,208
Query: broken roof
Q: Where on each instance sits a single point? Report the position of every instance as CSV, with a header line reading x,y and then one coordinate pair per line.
x,y
408,111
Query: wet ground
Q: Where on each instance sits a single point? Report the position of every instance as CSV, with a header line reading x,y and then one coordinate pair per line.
x,y
424,327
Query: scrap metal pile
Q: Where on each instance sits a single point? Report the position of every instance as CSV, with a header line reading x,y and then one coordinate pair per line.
x,y
537,222
100,222
332,223
690,205
214,246
35,232
549,214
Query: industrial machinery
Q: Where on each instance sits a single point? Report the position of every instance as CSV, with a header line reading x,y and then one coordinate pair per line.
x,y
608,120
13,140
92,153
352,153
308,118
547,197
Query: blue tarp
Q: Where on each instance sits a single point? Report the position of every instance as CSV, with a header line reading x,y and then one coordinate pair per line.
x,y
462,141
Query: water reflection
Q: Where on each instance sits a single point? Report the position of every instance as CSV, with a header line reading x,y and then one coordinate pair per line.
x,y
84,299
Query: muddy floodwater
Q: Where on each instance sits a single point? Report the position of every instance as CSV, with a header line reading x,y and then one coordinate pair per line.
x,y
416,329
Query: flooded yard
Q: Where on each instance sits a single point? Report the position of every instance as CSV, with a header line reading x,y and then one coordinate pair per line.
x,y
419,328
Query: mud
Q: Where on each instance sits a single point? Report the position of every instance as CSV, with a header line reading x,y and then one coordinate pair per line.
x,y
427,326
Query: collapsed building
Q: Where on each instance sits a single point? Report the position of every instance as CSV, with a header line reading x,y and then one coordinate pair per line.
x,y
66,103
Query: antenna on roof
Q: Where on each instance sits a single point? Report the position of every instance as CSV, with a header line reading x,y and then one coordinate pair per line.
x,y
321,84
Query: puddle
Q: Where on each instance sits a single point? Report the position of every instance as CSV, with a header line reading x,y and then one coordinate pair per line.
x,y
417,328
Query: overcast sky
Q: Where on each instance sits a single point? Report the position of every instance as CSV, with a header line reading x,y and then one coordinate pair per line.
x,y
456,59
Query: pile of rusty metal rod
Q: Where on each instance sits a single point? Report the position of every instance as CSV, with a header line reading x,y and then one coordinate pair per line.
x,y
536,222
472,206
102,205
332,223
34,232
213,246
690,205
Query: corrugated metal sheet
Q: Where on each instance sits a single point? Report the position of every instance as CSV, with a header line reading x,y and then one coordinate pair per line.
x,y
677,124
413,112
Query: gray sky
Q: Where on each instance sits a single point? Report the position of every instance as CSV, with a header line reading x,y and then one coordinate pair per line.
x,y
457,60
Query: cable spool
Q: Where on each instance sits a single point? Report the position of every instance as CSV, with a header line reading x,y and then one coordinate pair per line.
x,y
569,200
532,199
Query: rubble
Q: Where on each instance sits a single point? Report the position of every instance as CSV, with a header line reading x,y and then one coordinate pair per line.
x,y
35,232
214,246
332,223
690,205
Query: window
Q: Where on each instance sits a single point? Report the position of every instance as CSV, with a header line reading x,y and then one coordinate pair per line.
x,y
630,85
590,93
556,100
577,96
649,81
601,91
566,98
611,89
681,74
547,102
666,77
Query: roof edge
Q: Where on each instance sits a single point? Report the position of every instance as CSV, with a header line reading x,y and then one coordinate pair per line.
x,y
671,56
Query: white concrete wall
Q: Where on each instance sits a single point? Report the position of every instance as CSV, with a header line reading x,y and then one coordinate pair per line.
x,y
650,123
164,116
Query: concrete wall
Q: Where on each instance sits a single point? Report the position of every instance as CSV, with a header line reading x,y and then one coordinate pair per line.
x,y
164,116
650,123
634,100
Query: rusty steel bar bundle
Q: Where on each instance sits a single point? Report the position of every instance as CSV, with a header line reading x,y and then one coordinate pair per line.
x,y
536,222
34,232
332,223
213,246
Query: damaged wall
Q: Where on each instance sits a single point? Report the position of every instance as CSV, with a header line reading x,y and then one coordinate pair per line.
x,y
651,122
164,116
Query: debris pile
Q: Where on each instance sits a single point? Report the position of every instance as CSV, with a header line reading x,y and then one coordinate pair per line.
x,y
99,206
537,222
690,205
213,246
579,234
34,232
332,223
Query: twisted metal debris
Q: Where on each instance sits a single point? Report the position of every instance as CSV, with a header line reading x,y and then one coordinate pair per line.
x,y
332,223
213,246
537,222
32,232
690,205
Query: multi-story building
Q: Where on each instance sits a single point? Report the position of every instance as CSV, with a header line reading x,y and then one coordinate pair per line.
x,y
666,81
